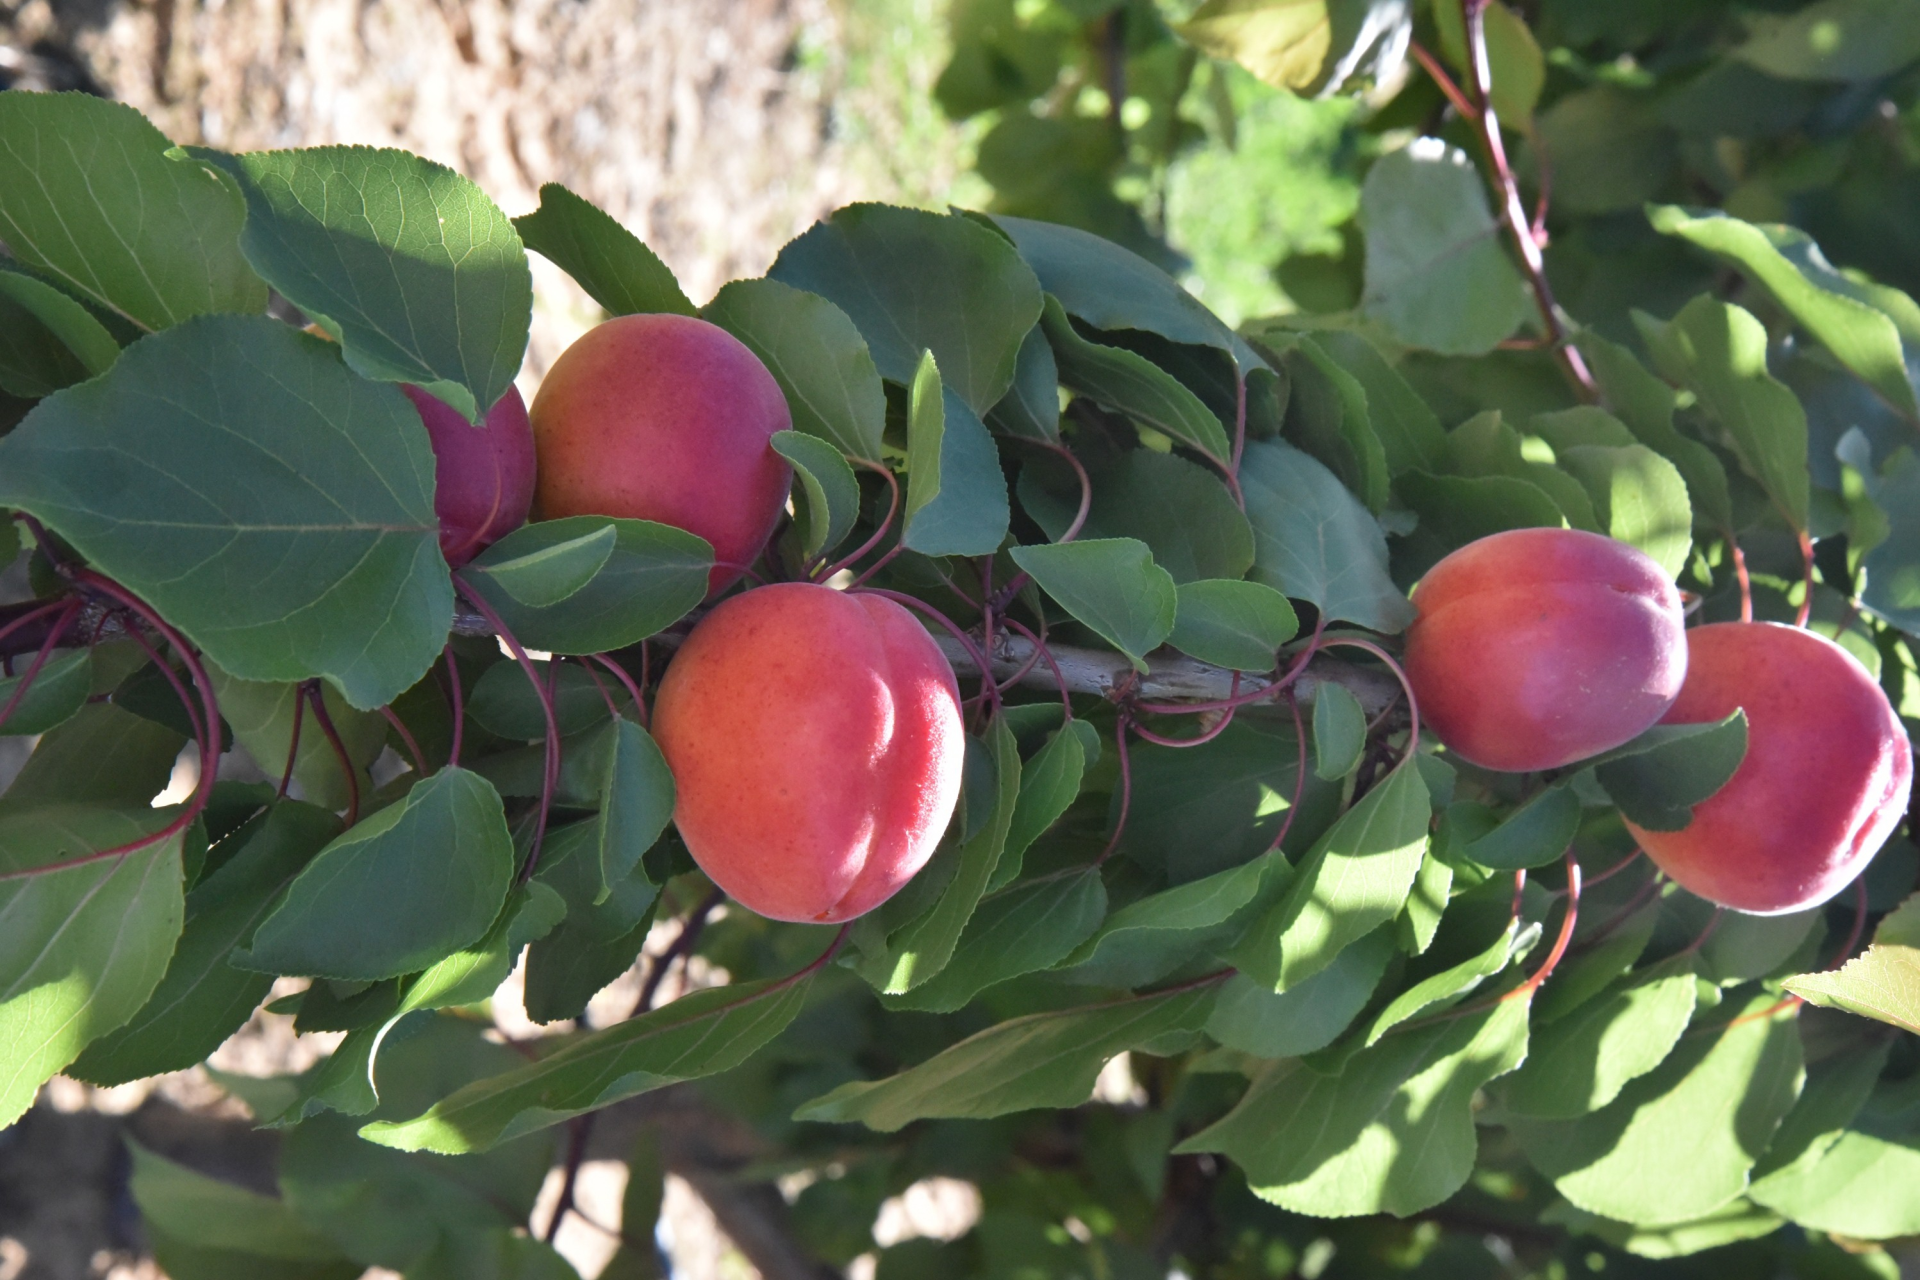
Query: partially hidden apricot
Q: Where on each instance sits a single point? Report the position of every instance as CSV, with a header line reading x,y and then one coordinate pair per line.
x,y
482,476
1825,780
1534,648
815,742
667,418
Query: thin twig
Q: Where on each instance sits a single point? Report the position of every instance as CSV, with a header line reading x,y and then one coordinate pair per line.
x,y
324,719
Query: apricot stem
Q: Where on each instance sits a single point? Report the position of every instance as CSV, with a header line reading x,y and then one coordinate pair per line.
x,y
293,744
325,720
550,780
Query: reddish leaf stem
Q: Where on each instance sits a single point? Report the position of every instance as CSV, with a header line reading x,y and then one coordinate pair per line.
x,y
1739,559
682,945
626,680
293,742
1806,595
1545,971
456,703
1413,705
406,736
1120,725
1040,647
324,719
1300,771
953,628
54,634
550,779
879,533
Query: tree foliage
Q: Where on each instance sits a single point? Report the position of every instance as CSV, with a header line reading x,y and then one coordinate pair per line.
x,y
1381,1012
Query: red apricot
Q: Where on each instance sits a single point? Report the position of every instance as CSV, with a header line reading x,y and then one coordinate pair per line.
x,y
1534,648
815,743
482,476
667,418
1825,780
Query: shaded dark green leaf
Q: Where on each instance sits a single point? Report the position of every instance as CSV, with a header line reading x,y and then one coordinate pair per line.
x,y
604,258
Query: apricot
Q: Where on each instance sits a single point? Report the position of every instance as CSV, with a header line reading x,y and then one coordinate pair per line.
x,y
1825,780
667,418
815,743
1534,648
482,476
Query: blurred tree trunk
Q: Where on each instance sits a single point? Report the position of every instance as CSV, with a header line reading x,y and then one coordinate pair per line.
x,y
700,124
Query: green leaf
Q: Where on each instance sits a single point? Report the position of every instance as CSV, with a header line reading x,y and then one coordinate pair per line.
x,y
407,264
1883,982
922,948
1677,1142
387,1208
1536,833
1461,509
1579,1063
102,755
59,689
1152,936
1113,288
163,247
1110,584
1519,71
1427,900
913,281
399,891
1253,1018
261,718
1738,1219
1327,416
1391,1131
202,999
1846,40
1355,879
604,258
1645,404
1339,732
192,1209
829,498
546,576
1891,500
1041,1060
1846,1156
1240,625
636,800
1720,351
1789,265
1031,408
81,949
503,700
1639,499
1658,777
600,936
1284,43
1485,445
816,355
697,1035
1198,810
1180,509
1742,948
1446,987
1131,384
476,971
1049,783
655,574
1313,540
956,496
1408,432
237,450
1437,275
1610,150
50,340
1029,927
